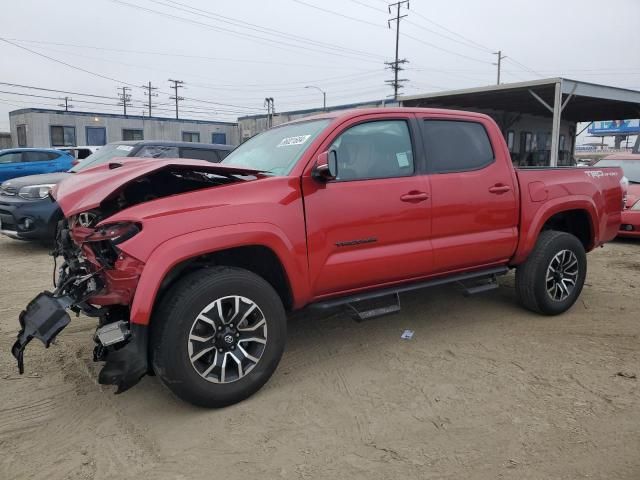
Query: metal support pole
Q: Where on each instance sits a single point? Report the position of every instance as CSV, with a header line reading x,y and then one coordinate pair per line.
x,y
555,129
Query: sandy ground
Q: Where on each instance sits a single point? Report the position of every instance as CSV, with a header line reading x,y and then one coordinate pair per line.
x,y
484,390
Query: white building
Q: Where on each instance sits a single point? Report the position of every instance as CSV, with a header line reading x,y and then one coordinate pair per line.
x,y
38,127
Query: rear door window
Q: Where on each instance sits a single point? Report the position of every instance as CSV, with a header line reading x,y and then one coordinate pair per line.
x,y
456,146
12,157
38,156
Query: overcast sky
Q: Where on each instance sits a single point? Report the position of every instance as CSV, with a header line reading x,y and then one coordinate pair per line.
x,y
238,52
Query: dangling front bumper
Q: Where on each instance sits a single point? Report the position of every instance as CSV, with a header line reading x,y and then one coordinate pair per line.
x,y
100,289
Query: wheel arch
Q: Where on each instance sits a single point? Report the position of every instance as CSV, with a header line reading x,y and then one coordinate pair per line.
x,y
577,217
265,253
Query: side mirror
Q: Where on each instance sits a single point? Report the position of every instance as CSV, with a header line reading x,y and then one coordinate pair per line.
x,y
326,167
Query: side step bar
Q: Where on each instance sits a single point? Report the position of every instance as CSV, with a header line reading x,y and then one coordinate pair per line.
x,y
489,274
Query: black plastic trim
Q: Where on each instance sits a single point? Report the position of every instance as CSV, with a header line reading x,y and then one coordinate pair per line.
x,y
409,287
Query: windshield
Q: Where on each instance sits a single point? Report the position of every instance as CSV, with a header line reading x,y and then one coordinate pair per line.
x,y
277,150
103,155
631,168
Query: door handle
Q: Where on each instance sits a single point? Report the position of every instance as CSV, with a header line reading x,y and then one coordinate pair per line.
x,y
414,196
499,188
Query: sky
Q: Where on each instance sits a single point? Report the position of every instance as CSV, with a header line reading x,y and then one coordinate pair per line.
x,y
233,54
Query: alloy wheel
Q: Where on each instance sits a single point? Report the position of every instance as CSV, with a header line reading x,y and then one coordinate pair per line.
x,y
562,275
227,339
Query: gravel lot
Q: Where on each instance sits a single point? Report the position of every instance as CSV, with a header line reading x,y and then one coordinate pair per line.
x,y
484,390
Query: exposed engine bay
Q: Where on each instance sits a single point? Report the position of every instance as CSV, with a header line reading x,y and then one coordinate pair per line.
x,y
159,184
96,278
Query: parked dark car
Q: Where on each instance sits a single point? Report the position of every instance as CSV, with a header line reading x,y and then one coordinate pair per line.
x,y
18,162
27,212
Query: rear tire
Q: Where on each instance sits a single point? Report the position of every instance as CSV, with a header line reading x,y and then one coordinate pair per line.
x,y
551,279
218,336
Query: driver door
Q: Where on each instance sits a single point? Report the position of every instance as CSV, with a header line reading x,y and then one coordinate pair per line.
x,y
372,224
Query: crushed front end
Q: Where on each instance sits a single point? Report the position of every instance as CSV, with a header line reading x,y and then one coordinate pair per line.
x,y
97,279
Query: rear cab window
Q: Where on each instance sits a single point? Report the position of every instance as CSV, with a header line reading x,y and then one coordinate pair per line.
x,y
456,146
209,155
157,151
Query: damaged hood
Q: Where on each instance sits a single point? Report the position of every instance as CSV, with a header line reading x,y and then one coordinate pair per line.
x,y
85,190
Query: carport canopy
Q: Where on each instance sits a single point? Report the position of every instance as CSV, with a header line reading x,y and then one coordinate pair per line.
x,y
555,98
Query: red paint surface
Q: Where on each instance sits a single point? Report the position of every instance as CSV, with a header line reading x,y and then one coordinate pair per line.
x,y
458,222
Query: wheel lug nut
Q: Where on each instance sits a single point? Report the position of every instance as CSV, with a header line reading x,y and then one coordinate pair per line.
x,y
219,328
231,326
237,334
233,348
220,350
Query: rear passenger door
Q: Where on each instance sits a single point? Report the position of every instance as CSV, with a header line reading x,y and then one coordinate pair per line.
x,y
40,162
474,206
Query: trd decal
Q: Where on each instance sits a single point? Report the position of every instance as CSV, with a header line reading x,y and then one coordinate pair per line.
x,y
348,243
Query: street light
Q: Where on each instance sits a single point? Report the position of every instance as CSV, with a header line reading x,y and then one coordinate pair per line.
x,y
324,95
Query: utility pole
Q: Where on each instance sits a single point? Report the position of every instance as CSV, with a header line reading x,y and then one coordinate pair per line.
x,y
396,83
124,98
499,64
268,102
149,88
176,85
66,103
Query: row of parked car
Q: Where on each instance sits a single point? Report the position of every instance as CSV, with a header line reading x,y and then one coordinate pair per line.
x,y
27,212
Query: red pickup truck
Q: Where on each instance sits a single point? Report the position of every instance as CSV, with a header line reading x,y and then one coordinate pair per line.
x,y
192,267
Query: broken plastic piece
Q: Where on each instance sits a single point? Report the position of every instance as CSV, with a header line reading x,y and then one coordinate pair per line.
x,y
44,317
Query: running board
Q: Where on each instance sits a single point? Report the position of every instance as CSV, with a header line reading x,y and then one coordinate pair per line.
x,y
490,274
375,309
481,286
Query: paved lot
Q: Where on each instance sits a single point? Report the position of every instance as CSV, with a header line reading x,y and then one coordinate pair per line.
x,y
484,390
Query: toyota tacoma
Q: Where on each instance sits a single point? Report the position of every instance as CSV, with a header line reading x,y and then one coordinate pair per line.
x,y
190,267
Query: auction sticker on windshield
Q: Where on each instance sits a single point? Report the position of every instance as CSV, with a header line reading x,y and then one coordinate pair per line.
x,y
298,140
126,148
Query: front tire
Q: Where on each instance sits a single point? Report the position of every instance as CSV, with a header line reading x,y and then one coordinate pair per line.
x,y
218,336
551,279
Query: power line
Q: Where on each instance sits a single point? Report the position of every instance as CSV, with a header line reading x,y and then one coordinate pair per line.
x,y
65,63
432,45
451,39
54,90
109,78
369,57
513,60
259,28
355,19
178,55
487,49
